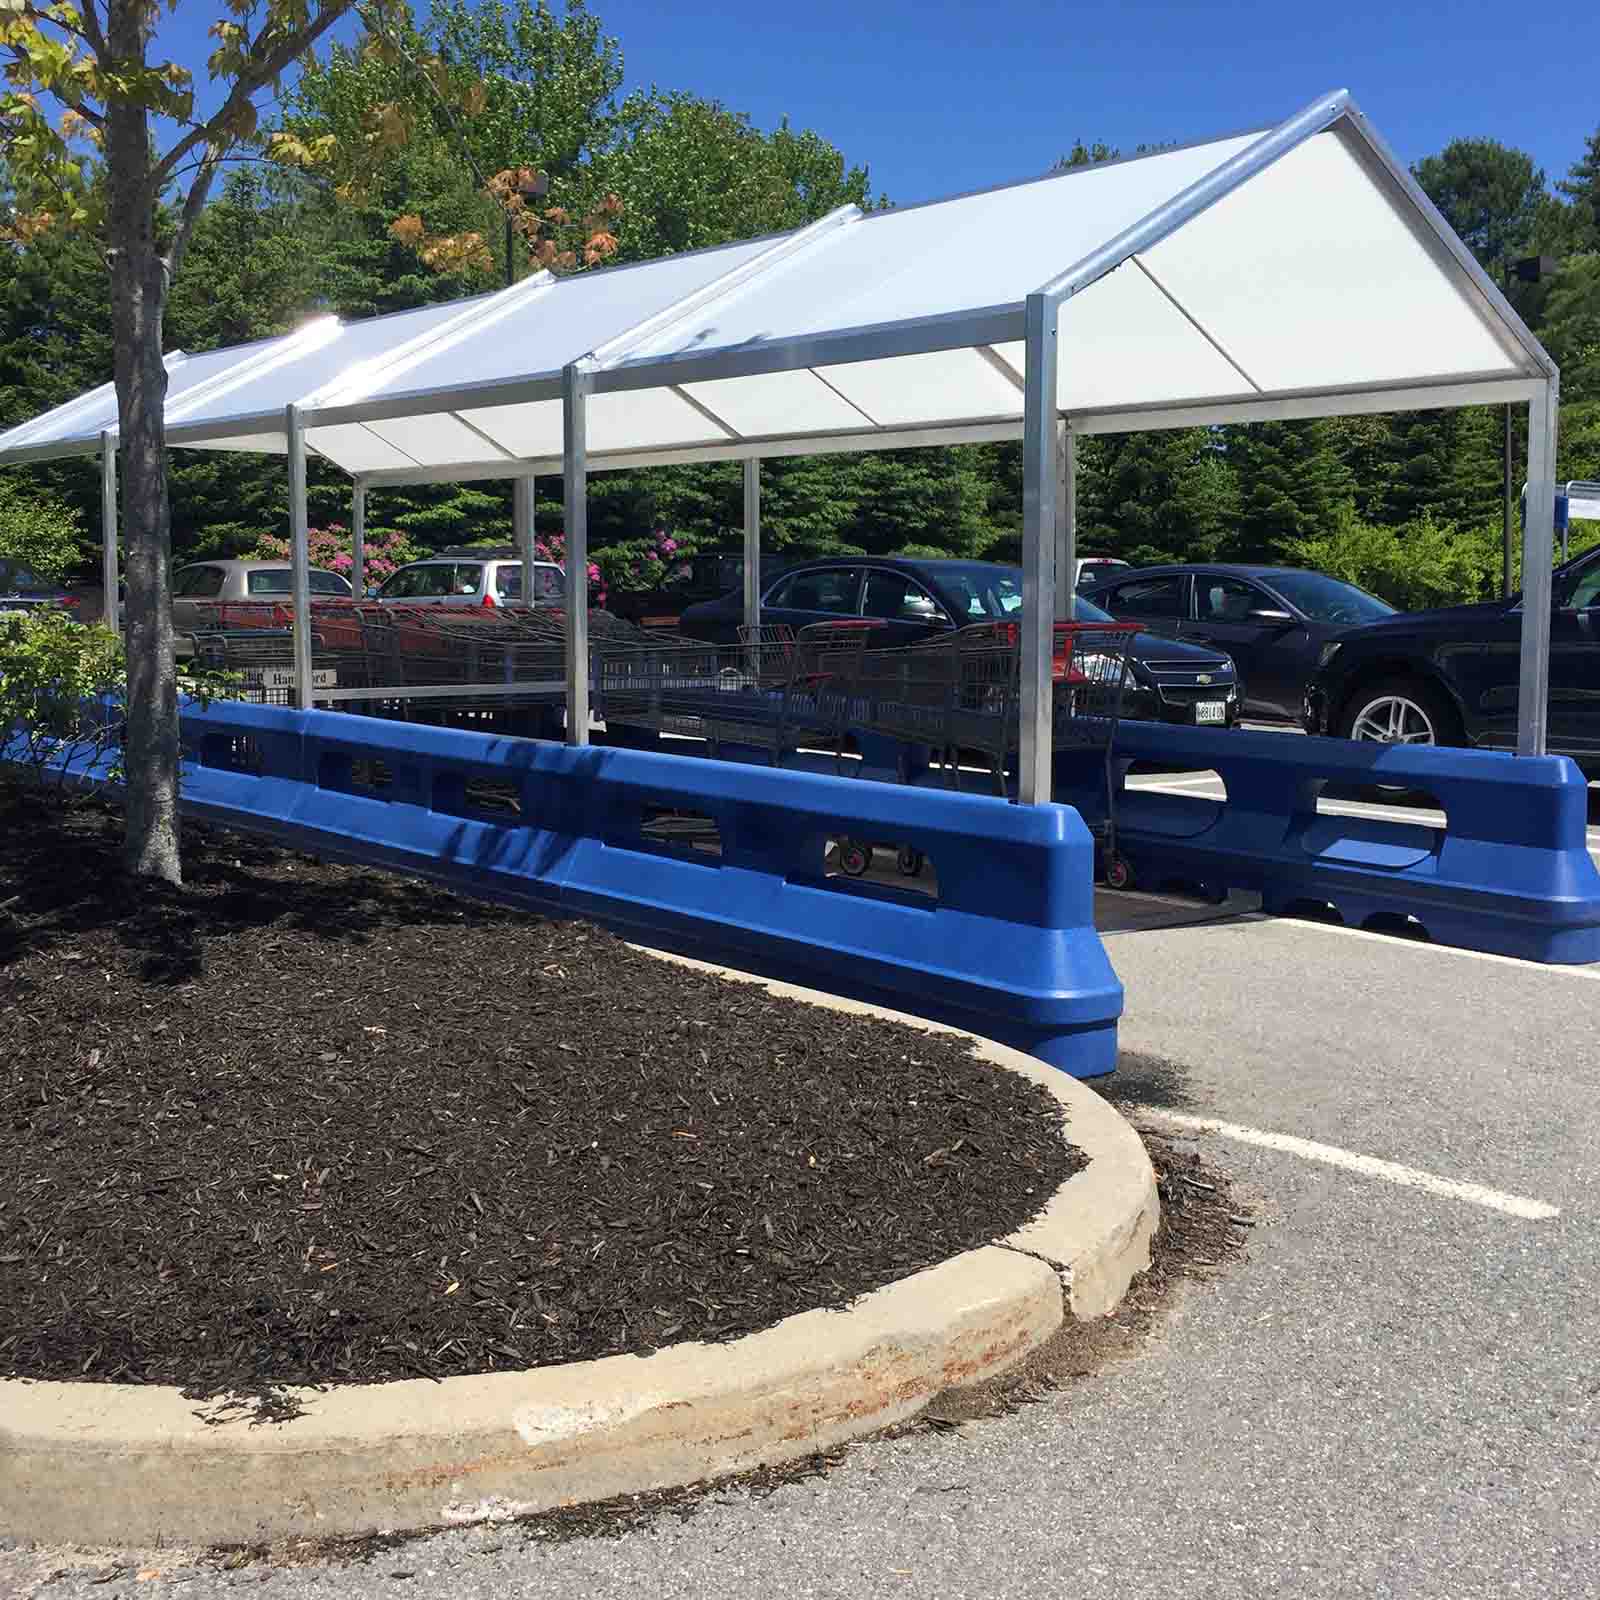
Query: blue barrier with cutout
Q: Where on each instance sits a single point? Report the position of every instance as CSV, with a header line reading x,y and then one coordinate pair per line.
x,y
1509,872
1008,949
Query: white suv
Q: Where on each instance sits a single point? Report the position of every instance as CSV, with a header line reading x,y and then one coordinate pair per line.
x,y
476,580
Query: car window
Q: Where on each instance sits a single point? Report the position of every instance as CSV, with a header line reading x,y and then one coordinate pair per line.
x,y
400,585
1326,599
466,577
896,598
328,583
1148,597
831,590
982,591
508,580
271,580
1586,592
207,584
429,581
1219,599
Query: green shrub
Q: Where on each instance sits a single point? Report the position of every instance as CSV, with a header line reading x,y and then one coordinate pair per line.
x,y
63,690
38,530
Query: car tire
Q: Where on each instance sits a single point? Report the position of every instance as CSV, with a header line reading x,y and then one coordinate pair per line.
x,y
1418,711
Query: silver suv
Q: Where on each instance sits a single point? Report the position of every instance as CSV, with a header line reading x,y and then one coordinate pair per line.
x,y
482,580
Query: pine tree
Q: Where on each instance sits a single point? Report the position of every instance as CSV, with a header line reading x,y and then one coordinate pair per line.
x,y
1293,483
1581,186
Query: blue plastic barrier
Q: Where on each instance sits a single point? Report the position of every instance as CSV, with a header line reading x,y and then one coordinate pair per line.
x,y
1509,871
1008,949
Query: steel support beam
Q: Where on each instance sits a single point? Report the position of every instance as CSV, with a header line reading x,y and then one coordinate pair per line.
x,y
522,500
358,539
1040,474
752,543
108,529
1538,552
577,381
1066,522
299,557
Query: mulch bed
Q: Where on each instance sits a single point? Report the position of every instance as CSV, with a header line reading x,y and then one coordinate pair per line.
x,y
301,1123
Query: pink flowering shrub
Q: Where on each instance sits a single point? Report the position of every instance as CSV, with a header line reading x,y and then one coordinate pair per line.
x,y
648,563
553,547
329,547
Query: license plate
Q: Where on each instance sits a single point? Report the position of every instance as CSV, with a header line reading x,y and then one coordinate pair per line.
x,y
284,678
1211,711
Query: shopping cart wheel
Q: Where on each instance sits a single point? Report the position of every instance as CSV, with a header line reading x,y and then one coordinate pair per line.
x,y
1119,875
909,862
854,859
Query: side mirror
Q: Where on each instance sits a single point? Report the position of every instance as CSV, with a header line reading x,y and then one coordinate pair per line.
x,y
1269,615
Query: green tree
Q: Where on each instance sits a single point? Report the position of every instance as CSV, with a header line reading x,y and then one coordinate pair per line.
x,y
81,80
37,529
1581,187
1157,496
1293,483
1490,193
1571,328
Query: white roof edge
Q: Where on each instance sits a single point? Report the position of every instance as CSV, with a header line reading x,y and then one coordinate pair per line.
x,y
1202,194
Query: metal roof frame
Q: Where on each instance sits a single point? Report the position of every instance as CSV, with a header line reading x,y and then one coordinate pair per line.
x,y
622,362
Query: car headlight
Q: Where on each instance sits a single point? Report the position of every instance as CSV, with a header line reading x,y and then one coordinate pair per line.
x,y
1328,652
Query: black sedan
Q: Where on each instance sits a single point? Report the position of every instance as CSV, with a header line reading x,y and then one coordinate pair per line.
x,y
1274,621
1451,676
915,601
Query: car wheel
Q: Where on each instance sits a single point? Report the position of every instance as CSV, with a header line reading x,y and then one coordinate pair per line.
x,y
1400,711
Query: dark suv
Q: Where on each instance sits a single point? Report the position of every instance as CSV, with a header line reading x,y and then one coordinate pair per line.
x,y
1450,676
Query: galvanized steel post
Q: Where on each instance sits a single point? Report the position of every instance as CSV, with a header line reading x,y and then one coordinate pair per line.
x,y
522,498
1039,488
108,529
752,542
577,380
1066,523
299,557
358,539
1538,553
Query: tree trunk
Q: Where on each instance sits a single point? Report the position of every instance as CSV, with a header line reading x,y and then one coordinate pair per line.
x,y
138,302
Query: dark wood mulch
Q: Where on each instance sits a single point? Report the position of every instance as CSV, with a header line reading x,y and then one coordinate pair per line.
x,y
301,1123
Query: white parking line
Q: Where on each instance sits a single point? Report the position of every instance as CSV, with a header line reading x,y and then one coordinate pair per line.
x,y
1513,1205
1393,941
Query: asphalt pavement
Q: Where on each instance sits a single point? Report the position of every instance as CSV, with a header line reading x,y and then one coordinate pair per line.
x,y
1396,1394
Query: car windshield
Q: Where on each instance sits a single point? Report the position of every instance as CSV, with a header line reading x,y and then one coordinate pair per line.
x,y
1324,599
982,593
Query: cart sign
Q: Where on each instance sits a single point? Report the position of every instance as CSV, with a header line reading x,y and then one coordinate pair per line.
x,y
284,678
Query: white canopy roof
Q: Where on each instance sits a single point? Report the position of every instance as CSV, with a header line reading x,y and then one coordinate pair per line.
x,y
1293,272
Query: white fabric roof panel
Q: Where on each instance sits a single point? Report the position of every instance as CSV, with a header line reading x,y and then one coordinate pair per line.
x,y
986,249
1316,267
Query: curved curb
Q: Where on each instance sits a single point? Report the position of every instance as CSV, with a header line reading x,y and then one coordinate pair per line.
x,y
131,1464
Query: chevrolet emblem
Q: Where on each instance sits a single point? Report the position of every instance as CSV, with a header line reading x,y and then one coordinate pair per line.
x,y
1202,677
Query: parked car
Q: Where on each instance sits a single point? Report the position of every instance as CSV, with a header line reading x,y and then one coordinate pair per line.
x,y
1451,676
202,587
478,578
22,589
1274,621
916,601
707,575
1092,569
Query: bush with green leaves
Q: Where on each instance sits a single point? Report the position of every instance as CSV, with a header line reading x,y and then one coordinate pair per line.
x,y
37,530
63,697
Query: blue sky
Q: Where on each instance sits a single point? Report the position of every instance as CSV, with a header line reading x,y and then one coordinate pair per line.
x,y
937,96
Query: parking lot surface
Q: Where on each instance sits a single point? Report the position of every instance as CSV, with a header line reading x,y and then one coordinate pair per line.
x,y
1394,1395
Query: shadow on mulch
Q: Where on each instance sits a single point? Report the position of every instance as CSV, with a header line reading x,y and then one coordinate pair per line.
x,y
299,1123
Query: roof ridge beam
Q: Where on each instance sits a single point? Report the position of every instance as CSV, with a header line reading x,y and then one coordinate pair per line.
x,y
620,346
355,385
310,336
1200,196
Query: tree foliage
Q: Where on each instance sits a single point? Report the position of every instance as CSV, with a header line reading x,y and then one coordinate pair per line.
x,y
37,529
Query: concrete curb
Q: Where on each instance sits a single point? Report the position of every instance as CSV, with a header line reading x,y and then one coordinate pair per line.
x,y
123,1464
